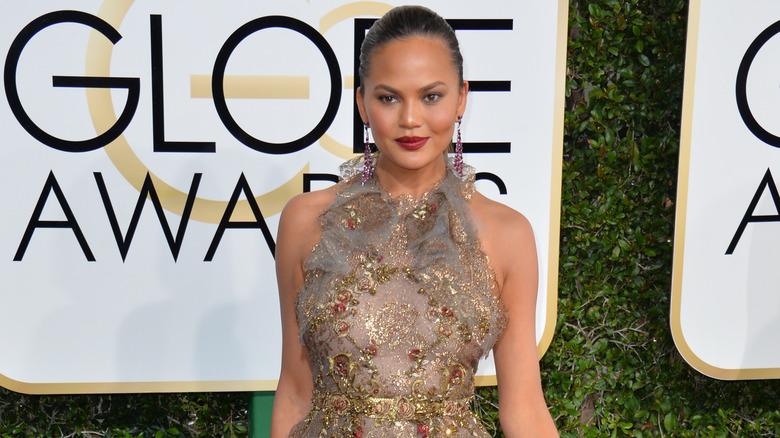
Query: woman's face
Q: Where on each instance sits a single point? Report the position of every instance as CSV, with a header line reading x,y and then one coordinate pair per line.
x,y
411,99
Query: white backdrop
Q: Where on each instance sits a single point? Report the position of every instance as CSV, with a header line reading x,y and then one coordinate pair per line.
x,y
726,284
93,314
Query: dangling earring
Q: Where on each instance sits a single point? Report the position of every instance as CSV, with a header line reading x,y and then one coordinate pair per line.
x,y
458,161
368,161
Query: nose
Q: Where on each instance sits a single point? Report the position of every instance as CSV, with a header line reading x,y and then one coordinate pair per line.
x,y
410,115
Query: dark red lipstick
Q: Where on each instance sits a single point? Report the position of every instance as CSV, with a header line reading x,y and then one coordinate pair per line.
x,y
411,143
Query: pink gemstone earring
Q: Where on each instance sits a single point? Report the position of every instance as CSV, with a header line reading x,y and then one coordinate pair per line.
x,y
458,161
368,160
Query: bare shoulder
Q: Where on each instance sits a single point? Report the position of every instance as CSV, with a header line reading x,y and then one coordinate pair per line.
x,y
306,207
299,227
500,220
506,236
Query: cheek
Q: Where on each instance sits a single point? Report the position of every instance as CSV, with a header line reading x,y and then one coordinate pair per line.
x,y
380,116
442,122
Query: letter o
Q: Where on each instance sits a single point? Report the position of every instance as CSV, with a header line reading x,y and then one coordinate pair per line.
x,y
741,87
218,79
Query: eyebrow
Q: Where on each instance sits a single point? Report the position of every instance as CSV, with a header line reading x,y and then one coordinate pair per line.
x,y
423,89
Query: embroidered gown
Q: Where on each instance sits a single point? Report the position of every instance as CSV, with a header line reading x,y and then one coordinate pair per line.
x,y
397,307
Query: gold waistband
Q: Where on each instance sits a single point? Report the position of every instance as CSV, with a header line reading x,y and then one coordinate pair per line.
x,y
390,408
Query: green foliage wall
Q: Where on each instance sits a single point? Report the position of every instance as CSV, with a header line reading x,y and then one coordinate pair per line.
x,y
612,368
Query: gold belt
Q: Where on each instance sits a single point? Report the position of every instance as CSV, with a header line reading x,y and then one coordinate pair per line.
x,y
390,408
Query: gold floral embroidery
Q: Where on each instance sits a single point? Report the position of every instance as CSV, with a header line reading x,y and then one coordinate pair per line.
x,y
423,211
397,306
391,409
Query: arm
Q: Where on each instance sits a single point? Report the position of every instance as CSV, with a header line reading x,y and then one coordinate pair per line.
x,y
522,409
294,242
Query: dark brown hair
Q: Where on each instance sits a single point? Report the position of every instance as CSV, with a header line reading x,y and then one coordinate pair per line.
x,y
405,22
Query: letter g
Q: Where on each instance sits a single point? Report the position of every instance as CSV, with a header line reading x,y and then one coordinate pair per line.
x,y
12,93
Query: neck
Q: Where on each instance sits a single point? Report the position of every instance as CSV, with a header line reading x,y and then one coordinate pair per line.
x,y
415,183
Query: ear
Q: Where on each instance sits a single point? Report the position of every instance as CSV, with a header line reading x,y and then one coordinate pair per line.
x,y
361,104
462,97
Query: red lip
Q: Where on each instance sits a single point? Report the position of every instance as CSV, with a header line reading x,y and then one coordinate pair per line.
x,y
411,143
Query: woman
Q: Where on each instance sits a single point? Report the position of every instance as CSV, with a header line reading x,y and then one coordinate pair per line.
x,y
387,296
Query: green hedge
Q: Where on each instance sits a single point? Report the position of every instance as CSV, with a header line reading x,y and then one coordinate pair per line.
x,y
124,415
612,368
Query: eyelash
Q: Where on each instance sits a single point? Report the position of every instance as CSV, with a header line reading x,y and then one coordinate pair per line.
x,y
428,98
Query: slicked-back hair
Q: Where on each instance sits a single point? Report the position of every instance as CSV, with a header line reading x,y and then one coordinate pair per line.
x,y
405,22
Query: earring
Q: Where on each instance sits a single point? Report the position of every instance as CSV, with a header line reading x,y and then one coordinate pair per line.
x,y
368,161
458,161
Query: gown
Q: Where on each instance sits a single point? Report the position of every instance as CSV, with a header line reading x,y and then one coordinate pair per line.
x,y
398,304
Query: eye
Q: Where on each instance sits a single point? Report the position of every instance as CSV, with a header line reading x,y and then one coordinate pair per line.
x,y
431,98
387,99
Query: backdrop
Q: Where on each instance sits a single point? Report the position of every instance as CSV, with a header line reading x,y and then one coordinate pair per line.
x,y
148,148
725,306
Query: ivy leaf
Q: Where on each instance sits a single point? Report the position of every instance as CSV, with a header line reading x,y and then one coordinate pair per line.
x,y
669,421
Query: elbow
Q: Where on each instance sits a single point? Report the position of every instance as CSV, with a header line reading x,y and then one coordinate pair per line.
x,y
509,423
527,423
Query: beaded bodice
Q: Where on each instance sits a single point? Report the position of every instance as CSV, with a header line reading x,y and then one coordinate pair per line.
x,y
398,305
